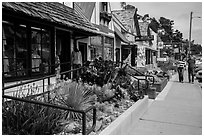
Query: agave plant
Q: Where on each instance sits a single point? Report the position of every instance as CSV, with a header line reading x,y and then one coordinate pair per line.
x,y
75,96
28,119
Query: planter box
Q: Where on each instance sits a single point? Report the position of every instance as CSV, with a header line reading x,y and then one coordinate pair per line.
x,y
160,86
128,119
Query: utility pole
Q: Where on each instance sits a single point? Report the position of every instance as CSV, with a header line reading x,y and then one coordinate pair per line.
x,y
189,48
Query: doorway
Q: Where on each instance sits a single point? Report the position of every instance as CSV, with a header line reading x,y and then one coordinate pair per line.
x,y
83,50
63,50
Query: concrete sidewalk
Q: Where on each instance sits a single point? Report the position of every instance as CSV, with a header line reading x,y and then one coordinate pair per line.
x,y
176,111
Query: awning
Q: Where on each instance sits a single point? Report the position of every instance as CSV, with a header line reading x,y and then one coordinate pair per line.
x,y
120,35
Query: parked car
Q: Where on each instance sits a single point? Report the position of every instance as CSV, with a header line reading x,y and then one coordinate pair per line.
x,y
199,76
198,67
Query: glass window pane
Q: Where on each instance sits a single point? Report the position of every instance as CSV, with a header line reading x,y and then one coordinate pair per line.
x,y
21,50
40,50
36,50
35,37
45,37
8,50
45,58
108,53
98,52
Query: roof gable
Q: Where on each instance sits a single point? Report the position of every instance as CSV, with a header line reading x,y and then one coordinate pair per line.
x,y
125,17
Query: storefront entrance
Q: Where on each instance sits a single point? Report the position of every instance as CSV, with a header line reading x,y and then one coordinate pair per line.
x,y
83,50
63,50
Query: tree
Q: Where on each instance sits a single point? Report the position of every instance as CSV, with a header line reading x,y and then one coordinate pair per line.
x,y
196,49
124,6
167,25
177,36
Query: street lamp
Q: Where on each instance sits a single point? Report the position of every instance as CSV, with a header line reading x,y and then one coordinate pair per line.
x,y
190,31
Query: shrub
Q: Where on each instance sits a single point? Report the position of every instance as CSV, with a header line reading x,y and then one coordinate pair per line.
x,y
75,96
28,119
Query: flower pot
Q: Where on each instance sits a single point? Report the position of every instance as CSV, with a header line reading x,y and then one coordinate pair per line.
x,y
151,92
160,86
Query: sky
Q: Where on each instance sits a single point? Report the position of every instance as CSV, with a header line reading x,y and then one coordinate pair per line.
x,y
179,12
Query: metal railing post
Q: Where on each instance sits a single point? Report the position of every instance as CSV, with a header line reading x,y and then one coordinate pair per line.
x,y
48,83
83,123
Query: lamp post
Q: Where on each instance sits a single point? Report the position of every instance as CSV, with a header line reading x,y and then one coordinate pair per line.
x,y
191,17
189,42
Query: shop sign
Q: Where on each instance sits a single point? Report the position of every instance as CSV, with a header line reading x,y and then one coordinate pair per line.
x,y
161,59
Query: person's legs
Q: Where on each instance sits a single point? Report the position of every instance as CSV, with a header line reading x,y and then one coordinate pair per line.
x,y
181,77
192,75
78,71
189,75
74,72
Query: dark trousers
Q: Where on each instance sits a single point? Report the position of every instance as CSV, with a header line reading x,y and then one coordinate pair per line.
x,y
76,73
180,77
191,74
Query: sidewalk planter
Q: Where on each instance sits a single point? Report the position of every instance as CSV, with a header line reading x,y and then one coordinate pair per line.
x,y
160,86
127,120
151,92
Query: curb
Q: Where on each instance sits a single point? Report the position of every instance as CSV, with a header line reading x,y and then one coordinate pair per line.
x,y
165,91
128,119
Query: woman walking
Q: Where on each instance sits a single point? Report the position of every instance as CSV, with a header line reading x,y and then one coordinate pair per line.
x,y
180,70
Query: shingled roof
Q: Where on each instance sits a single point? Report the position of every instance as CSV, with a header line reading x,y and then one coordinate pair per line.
x,y
51,11
126,17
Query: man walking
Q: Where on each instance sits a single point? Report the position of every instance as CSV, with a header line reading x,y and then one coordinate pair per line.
x,y
191,67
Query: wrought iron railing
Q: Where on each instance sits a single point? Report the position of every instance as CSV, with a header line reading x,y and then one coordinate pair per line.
x,y
83,112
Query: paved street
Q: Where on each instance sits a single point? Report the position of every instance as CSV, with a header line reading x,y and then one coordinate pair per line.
x,y
177,110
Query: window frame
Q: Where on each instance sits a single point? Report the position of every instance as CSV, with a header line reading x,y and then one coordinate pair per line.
x,y
27,24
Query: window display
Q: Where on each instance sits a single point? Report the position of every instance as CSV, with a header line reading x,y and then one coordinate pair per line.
x,y
96,52
108,53
108,49
14,49
40,45
19,56
98,49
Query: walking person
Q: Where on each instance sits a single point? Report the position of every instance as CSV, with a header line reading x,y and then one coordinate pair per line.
x,y
191,69
180,70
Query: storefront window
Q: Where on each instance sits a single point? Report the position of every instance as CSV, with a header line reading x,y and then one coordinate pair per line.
x,y
108,49
40,46
117,54
96,52
19,56
14,49
108,53
21,49
96,47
